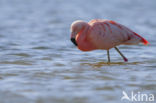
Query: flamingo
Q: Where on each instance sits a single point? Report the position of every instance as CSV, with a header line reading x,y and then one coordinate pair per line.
x,y
103,34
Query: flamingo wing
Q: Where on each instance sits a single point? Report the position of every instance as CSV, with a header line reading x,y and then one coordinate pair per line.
x,y
106,34
133,38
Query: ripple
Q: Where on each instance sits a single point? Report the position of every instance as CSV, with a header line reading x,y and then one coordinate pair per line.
x,y
21,54
46,58
41,47
18,62
105,88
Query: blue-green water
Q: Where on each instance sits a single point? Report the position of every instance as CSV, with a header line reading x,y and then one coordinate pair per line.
x,y
39,64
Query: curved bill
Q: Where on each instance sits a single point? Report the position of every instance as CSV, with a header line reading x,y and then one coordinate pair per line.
x,y
74,41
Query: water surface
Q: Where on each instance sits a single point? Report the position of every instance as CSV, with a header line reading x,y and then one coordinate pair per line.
x,y
39,64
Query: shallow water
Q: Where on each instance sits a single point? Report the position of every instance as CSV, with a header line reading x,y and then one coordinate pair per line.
x,y
39,64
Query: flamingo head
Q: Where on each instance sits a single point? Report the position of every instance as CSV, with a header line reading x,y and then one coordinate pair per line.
x,y
76,27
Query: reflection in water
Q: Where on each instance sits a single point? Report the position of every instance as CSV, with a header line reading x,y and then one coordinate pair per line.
x,y
101,64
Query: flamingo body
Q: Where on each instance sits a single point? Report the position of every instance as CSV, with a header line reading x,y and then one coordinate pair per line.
x,y
103,34
106,34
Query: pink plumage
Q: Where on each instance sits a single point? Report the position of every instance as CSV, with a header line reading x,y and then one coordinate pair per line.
x,y
106,34
103,34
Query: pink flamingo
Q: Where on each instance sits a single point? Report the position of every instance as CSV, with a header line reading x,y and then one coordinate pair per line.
x,y
103,34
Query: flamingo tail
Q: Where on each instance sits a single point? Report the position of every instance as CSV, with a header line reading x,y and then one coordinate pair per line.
x,y
143,40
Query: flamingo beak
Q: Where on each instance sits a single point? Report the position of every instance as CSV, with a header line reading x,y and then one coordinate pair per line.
x,y
73,41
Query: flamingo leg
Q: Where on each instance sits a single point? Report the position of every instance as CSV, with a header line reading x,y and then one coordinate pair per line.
x,y
125,59
108,56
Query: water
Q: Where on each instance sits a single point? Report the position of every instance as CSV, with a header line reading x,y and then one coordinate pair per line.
x,y
39,64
